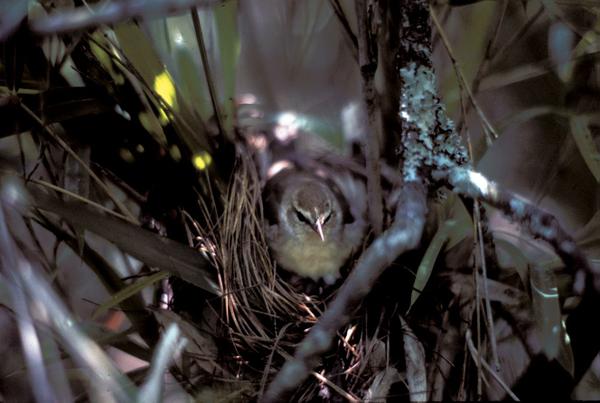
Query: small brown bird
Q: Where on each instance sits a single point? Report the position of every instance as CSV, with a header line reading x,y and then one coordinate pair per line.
x,y
312,229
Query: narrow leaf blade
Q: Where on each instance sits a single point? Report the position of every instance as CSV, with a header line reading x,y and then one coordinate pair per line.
x,y
586,145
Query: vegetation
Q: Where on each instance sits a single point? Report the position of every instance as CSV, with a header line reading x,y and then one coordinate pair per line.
x,y
135,137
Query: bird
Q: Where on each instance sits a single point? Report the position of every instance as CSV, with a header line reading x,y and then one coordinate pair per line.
x,y
312,228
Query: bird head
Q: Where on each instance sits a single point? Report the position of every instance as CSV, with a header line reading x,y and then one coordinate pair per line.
x,y
313,208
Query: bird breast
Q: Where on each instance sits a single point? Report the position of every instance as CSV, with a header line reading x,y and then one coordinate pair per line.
x,y
312,257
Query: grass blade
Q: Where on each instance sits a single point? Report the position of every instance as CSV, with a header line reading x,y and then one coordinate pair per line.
x,y
586,145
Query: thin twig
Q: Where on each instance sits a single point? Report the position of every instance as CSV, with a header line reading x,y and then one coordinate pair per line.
x,y
517,35
486,299
528,71
144,245
461,77
487,58
477,312
482,363
347,395
446,10
77,158
263,380
446,350
192,140
207,72
339,12
462,389
79,198
111,176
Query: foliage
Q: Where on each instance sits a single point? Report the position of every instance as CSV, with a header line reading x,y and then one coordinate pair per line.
x,y
131,237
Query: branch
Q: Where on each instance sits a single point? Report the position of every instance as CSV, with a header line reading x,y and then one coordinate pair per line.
x,y
402,236
428,138
539,223
111,13
430,141
367,61
339,12
585,339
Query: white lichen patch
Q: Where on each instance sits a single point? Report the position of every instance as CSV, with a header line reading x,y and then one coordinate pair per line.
x,y
517,207
472,183
418,96
480,182
430,139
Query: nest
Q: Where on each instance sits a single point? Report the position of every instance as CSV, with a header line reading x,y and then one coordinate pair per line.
x,y
256,300
264,317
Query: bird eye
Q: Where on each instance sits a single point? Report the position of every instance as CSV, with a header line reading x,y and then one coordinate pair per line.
x,y
301,217
327,218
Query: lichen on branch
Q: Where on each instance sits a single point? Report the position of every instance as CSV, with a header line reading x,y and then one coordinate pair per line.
x,y
430,140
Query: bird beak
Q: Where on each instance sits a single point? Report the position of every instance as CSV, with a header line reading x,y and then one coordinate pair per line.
x,y
318,227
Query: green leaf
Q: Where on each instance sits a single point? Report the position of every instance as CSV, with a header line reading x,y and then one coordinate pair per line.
x,y
382,383
586,145
85,353
142,244
60,105
5,299
525,115
546,308
192,81
565,352
426,266
414,355
169,346
229,51
462,2
588,237
463,224
201,347
119,340
561,40
128,292
511,256
142,54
